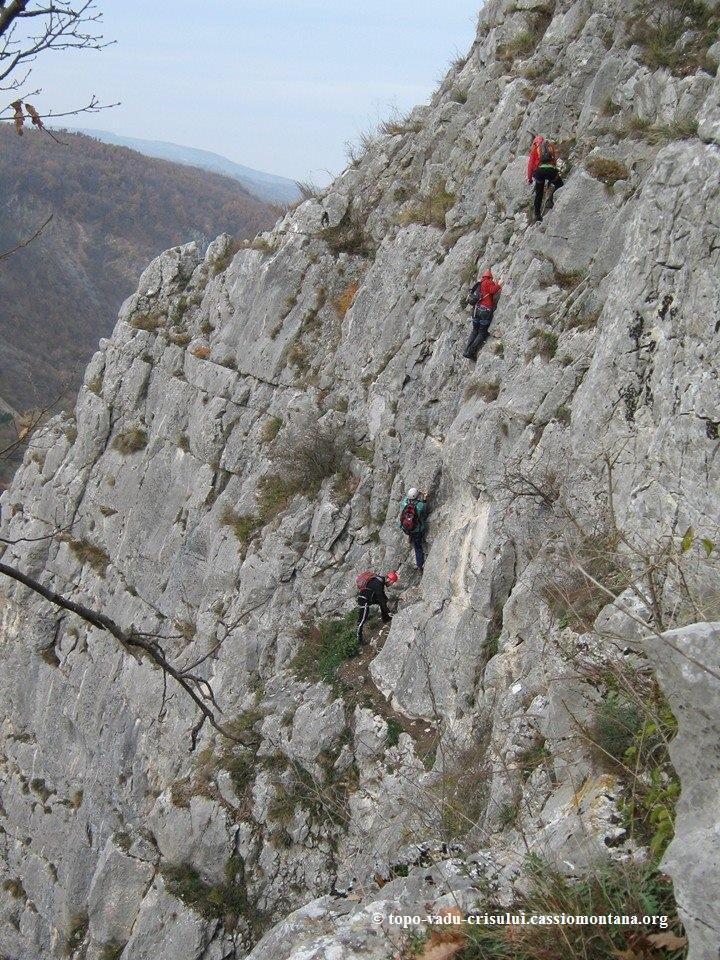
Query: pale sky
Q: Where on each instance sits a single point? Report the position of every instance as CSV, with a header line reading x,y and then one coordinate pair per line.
x,y
279,85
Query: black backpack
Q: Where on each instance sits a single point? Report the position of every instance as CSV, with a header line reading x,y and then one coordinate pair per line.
x,y
409,518
474,295
546,154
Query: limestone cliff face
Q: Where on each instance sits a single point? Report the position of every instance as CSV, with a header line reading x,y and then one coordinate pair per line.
x,y
454,749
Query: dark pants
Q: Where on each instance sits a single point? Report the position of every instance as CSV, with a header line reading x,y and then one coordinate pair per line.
x,y
480,333
542,176
365,600
416,539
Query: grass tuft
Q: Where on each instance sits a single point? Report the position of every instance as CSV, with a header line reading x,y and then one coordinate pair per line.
x,y
614,889
77,932
462,790
398,125
130,440
112,950
147,321
430,209
271,428
226,901
568,279
573,595
349,236
658,26
88,553
607,171
487,389
545,344
324,647
244,525
221,263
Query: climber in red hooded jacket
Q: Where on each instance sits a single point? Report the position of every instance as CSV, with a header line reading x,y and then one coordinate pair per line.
x,y
484,298
542,168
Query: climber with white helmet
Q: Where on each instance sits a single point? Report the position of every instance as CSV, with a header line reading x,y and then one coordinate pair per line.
x,y
371,592
543,169
413,522
483,298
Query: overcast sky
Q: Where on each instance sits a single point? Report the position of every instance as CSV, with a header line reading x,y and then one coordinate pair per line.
x,y
279,85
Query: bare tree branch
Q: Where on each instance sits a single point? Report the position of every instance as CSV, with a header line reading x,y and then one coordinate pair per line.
x,y
93,106
61,27
28,29
29,422
197,689
10,14
47,536
25,243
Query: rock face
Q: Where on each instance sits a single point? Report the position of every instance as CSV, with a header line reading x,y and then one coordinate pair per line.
x,y
239,451
689,669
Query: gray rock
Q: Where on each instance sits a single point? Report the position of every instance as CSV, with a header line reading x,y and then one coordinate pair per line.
x,y
688,668
179,517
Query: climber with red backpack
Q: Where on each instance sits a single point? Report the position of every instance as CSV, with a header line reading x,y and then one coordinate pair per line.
x,y
413,522
371,592
543,169
483,298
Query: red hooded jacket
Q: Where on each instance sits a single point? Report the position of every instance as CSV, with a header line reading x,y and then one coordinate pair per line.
x,y
488,290
534,158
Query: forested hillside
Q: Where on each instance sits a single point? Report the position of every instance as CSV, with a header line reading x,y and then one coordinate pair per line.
x,y
113,209
265,186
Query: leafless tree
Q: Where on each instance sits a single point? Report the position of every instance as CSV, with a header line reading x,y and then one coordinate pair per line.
x,y
29,29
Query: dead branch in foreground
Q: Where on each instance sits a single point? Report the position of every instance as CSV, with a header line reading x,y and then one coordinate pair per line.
x,y
196,687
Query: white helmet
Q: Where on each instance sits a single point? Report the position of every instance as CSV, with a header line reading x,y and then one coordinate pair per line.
x,y
412,493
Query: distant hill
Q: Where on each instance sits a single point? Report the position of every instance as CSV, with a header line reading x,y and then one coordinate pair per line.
x,y
114,210
266,186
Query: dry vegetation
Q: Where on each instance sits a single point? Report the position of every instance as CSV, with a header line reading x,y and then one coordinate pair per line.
x,y
94,556
130,440
544,343
429,209
657,26
607,171
315,456
349,236
345,300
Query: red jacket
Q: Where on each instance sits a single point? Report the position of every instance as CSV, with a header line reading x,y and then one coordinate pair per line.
x,y
534,158
489,289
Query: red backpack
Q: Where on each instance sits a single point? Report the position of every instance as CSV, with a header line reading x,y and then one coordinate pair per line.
x,y
362,579
409,518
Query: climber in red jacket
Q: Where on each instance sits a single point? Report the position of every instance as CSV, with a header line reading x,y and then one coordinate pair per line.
x,y
483,298
542,168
